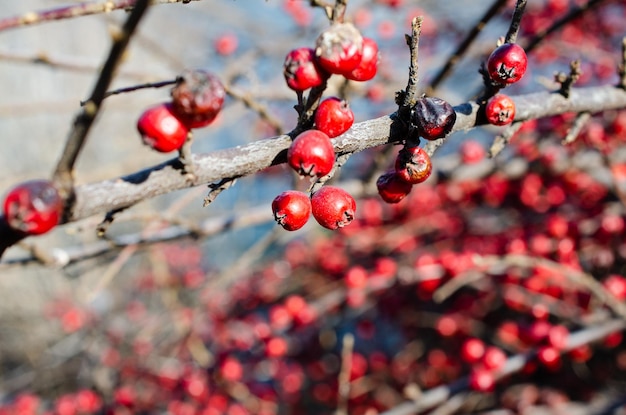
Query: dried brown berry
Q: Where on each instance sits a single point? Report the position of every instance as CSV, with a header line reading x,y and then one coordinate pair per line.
x,y
197,98
433,117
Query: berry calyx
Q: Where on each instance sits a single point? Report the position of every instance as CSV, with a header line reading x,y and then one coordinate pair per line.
x,y
197,98
391,188
433,117
333,207
334,117
507,63
311,154
161,129
413,165
369,62
33,207
339,48
301,70
500,110
291,209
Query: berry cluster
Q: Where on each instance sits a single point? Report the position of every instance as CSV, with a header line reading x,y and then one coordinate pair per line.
x,y
196,101
341,50
506,65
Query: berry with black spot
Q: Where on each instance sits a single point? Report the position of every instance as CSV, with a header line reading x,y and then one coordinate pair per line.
x,y
507,64
500,110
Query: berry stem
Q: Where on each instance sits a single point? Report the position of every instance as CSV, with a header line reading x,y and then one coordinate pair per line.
x,y
133,88
622,65
63,174
516,20
567,80
409,96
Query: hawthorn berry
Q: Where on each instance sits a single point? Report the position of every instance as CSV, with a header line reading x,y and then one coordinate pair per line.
x,y
291,209
472,151
494,358
413,165
369,62
500,110
197,98
507,63
33,207
161,129
472,350
391,188
334,117
311,154
302,71
339,48
482,380
433,117
333,207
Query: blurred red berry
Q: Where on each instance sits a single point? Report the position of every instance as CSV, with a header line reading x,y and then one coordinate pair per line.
x,y
161,129
33,207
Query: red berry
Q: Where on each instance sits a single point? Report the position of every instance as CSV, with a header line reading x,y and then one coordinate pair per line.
x,y
161,129
226,44
481,380
33,207
472,350
500,110
494,358
558,336
413,165
549,357
616,285
292,209
333,207
334,117
301,70
339,48
507,63
391,188
369,62
472,151
197,98
433,117
311,154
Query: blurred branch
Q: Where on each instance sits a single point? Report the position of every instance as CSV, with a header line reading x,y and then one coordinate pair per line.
x,y
78,10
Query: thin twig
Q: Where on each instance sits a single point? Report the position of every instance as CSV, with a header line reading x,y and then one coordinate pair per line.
x,y
217,188
574,131
516,20
622,66
502,139
134,88
455,57
567,80
408,98
63,174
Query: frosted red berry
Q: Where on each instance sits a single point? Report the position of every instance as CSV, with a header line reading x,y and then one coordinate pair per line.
x,y
339,48
368,66
291,209
161,129
198,98
33,207
311,154
391,188
507,63
333,207
302,71
413,165
334,117
500,110
433,117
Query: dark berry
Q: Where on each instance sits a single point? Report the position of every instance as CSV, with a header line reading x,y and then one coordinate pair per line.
x,y
339,48
311,154
391,188
161,129
507,63
33,207
333,207
433,117
291,209
334,117
413,165
197,98
500,110
301,70
369,62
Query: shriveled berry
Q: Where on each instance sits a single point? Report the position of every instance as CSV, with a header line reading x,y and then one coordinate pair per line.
x,y
291,209
500,110
197,98
391,188
334,117
161,129
507,63
369,62
333,207
413,165
33,207
339,48
433,117
302,71
311,154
